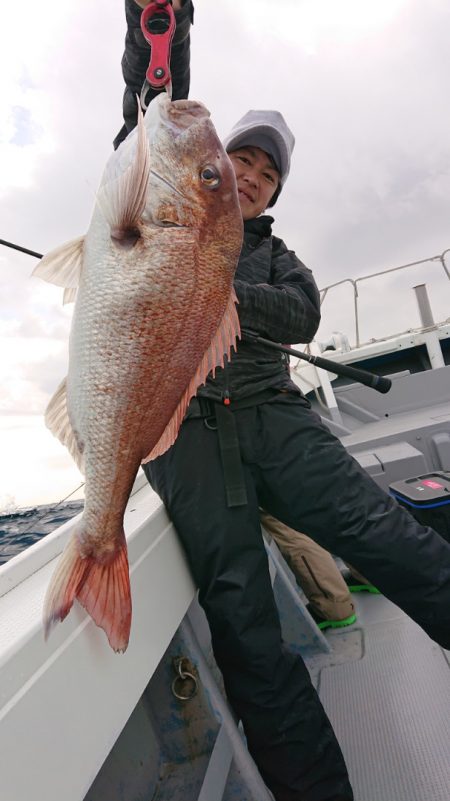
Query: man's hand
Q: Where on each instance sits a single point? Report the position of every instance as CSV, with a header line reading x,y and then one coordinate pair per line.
x,y
176,4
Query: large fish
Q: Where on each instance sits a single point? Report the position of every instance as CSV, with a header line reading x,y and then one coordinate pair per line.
x,y
155,312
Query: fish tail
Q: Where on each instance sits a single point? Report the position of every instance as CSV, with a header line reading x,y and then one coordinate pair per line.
x,y
102,587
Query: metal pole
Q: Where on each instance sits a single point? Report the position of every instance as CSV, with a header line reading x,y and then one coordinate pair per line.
x,y
431,339
423,302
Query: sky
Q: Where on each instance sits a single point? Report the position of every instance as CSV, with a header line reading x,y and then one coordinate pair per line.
x,y
363,85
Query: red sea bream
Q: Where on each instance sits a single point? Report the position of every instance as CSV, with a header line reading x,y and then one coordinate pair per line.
x,y
155,312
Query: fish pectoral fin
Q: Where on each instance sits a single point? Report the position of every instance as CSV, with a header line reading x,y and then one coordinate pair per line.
x,y
69,295
57,420
63,265
222,342
122,200
102,587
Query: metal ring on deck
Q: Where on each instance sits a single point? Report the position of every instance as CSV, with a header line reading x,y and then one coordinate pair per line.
x,y
183,676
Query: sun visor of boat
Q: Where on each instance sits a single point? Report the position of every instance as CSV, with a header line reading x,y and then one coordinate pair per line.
x,y
427,497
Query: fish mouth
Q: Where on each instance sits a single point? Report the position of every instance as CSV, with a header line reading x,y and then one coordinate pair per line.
x,y
166,182
177,115
183,113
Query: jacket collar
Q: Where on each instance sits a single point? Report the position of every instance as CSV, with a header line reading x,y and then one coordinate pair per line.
x,y
261,226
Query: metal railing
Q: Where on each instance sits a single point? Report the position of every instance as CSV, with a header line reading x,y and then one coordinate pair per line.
x,y
355,282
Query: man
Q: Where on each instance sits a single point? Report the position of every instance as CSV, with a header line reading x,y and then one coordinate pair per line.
x,y
250,440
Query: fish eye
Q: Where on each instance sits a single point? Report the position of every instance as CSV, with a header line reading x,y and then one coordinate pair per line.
x,y
210,176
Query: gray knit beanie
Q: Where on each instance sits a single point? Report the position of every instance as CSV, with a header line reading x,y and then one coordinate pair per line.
x,y
267,130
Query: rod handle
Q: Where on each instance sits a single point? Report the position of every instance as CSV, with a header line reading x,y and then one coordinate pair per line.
x,y
377,382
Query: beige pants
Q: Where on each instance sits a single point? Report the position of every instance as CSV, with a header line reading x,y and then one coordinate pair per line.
x,y
314,568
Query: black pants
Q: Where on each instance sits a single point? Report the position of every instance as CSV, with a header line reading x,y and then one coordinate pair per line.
x,y
297,470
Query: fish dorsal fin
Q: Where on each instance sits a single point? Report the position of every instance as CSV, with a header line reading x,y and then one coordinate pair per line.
x,y
62,266
57,420
224,339
122,199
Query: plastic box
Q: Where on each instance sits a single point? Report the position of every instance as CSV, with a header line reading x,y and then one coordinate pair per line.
x,y
427,498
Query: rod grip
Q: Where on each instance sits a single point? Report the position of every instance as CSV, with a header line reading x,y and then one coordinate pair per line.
x,y
378,382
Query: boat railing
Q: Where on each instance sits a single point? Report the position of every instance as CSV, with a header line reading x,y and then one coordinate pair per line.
x,y
354,282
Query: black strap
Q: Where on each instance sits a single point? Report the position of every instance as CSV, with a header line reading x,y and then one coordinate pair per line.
x,y
200,407
231,456
218,415
205,407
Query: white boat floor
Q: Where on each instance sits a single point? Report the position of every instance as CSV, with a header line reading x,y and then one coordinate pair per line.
x,y
386,690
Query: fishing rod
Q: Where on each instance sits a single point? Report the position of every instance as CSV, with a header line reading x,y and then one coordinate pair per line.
x,y
21,249
377,382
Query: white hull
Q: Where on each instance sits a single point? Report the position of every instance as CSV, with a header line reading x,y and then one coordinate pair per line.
x,y
56,708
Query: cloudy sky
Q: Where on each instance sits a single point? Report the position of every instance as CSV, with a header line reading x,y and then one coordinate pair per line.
x,y
364,85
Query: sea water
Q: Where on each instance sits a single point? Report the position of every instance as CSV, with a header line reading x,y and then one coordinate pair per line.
x,y
22,528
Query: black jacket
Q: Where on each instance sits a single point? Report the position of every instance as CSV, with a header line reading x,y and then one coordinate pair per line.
x,y
279,299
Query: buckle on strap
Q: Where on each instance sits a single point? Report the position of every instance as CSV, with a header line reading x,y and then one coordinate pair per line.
x,y
230,454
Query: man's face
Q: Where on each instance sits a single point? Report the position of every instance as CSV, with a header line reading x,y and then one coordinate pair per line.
x,y
257,179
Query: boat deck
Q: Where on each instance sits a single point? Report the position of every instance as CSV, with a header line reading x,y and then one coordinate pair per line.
x,y
386,690
386,685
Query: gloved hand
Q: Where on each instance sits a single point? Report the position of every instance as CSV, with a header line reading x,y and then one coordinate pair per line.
x,y
176,4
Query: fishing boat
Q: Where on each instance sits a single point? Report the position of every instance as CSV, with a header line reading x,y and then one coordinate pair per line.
x,y
80,723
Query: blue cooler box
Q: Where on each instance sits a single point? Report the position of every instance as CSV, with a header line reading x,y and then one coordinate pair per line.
x,y
427,498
